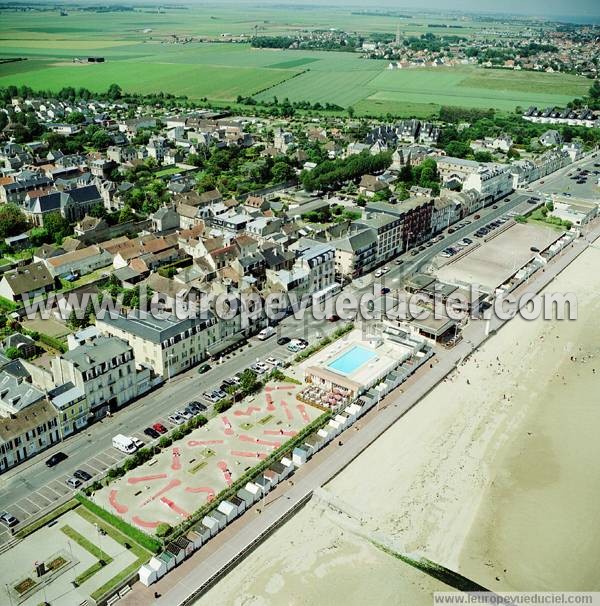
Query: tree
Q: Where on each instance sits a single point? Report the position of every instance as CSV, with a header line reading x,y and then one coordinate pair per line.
x,y
114,92
58,226
12,221
75,118
98,211
351,112
458,149
126,214
12,353
483,156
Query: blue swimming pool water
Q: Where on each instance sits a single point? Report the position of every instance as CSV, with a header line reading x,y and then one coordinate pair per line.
x,y
351,360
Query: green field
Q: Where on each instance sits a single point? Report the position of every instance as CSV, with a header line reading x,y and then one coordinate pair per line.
x,y
141,57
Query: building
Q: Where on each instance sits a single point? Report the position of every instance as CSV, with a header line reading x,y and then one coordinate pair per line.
x,y
72,409
104,369
491,183
389,233
79,262
319,261
355,254
27,433
415,215
455,169
166,344
576,211
26,282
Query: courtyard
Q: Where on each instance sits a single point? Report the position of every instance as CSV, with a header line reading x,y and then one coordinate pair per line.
x,y
188,474
79,557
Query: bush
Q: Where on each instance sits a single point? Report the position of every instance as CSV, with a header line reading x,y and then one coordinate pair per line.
x,y
223,405
163,529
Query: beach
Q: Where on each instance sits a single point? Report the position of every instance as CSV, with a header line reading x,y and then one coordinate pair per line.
x,y
492,475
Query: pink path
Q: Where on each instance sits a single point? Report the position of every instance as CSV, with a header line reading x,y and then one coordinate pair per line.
x,y
193,443
172,484
248,454
222,465
175,461
287,411
245,438
118,507
285,387
280,432
270,405
228,431
158,476
143,523
302,410
175,507
210,493
247,412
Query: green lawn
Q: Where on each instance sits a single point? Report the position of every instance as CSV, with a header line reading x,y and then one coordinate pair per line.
x,y
193,80
141,57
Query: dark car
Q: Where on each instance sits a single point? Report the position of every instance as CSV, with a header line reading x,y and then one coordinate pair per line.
x,y
8,519
84,476
204,368
283,340
302,341
151,433
159,427
385,290
55,459
333,318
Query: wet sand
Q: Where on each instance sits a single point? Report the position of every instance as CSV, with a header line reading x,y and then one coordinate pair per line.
x,y
494,474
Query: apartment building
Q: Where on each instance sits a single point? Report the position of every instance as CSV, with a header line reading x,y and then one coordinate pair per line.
x,y
166,344
389,233
490,183
104,369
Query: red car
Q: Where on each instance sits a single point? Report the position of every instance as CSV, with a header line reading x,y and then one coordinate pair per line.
x,y
159,427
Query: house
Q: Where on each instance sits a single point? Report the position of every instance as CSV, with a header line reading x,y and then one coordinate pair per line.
x,y
79,262
71,406
26,283
166,344
165,218
105,370
24,434
370,185
551,138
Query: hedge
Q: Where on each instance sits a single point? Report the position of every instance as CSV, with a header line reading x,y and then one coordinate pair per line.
x,y
336,334
141,538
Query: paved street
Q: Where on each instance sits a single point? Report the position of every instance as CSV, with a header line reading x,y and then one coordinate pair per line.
x,y
32,487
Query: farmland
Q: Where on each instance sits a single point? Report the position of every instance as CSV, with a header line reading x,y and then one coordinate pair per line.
x,y
141,55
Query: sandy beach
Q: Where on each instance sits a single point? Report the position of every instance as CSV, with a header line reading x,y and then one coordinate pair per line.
x,y
494,474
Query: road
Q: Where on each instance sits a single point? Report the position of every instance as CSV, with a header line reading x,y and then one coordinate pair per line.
x,y
32,487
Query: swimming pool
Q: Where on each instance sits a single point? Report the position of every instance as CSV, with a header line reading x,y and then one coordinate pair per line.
x,y
352,360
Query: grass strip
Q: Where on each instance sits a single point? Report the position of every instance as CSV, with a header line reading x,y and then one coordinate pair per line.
x,y
142,555
103,558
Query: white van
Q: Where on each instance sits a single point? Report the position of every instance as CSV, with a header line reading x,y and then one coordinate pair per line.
x,y
265,333
124,444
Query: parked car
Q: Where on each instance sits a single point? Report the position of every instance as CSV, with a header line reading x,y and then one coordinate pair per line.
x,y
151,433
138,443
303,342
283,340
185,414
399,261
73,482
176,419
385,290
413,253
333,318
274,362
385,269
55,459
84,476
8,519
159,427
294,347
477,217
203,368
378,273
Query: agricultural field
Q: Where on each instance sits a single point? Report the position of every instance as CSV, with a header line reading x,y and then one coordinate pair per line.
x,y
141,55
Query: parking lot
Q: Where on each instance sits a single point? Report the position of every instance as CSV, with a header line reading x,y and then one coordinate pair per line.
x,y
493,261
170,487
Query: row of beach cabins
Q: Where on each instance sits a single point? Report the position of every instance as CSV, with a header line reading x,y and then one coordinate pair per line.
x,y
229,509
